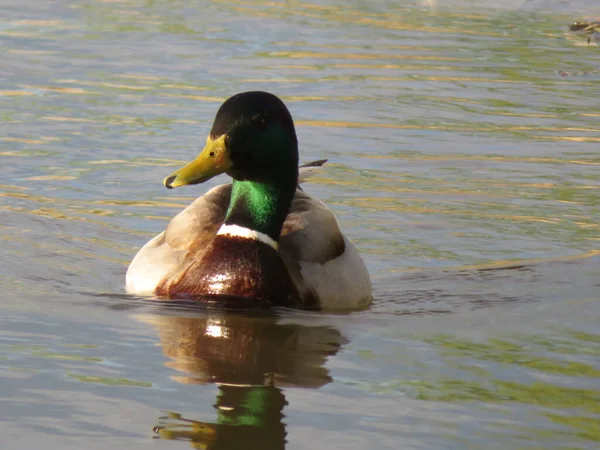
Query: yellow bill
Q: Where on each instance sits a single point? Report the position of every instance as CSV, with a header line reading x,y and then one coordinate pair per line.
x,y
212,161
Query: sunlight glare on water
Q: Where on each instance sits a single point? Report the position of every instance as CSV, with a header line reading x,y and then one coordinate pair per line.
x,y
462,140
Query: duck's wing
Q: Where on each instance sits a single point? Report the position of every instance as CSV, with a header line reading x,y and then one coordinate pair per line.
x,y
310,232
185,238
195,226
323,263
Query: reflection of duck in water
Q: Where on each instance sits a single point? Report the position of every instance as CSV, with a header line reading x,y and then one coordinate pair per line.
x,y
250,358
259,241
591,29
246,417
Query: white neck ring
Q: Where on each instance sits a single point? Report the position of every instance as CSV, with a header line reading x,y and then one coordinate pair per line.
x,y
247,233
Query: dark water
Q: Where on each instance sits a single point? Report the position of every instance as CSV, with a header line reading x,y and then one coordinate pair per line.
x,y
464,163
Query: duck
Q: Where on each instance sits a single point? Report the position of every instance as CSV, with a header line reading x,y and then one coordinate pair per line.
x,y
260,241
591,29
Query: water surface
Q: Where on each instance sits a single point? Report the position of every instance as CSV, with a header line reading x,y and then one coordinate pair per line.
x,y
463,162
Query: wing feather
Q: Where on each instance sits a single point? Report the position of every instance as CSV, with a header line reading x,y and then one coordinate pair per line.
x,y
310,232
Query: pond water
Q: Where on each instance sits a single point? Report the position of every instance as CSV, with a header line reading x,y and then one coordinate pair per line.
x,y
463,145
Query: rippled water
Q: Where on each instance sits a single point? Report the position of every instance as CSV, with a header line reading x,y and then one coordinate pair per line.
x,y
464,163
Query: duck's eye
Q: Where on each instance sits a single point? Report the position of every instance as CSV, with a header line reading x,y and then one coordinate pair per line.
x,y
212,154
259,121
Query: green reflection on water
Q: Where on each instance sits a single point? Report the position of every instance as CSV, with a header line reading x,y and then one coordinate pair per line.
x,y
565,345
580,406
520,373
537,393
245,414
506,352
588,427
109,381
46,354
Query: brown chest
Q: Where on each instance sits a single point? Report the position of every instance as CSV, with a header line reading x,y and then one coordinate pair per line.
x,y
235,271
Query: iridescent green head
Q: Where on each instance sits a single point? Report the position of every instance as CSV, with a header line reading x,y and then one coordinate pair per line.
x,y
252,138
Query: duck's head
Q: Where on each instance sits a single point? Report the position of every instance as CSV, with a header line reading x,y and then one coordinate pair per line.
x,y
252,138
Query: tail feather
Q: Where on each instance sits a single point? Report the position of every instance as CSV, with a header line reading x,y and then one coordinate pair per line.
x,y
317,163
310,169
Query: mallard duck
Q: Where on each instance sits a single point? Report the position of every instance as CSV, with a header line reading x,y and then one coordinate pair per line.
x,y
260,241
